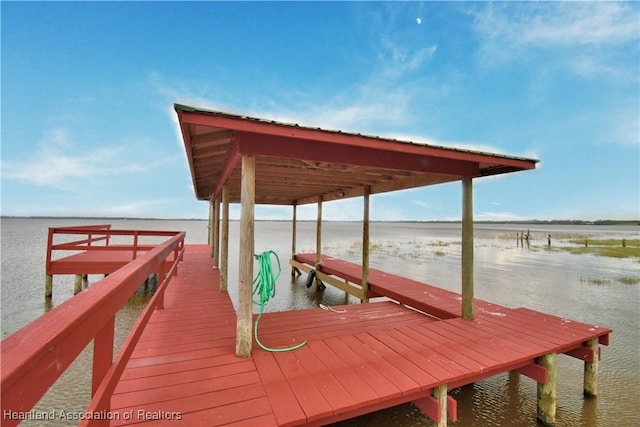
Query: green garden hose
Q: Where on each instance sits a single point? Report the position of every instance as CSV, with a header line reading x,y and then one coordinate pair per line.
x,y
264,287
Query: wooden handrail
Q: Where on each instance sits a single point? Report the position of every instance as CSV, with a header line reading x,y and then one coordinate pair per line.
x,y
33,358
97,233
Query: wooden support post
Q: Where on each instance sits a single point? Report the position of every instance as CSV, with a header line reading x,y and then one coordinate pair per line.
x,y
216,233
547,392
162,274
319,233
467,248
591,370
77,288
295,272
102,354
319,242
365,244
85,281
440,394
244,311
224,234
210,225
48,286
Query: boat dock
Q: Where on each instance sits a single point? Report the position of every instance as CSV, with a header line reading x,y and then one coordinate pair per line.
x,y
357,359
191,359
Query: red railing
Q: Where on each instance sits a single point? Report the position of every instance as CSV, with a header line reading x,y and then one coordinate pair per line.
x,y
34,357
98,233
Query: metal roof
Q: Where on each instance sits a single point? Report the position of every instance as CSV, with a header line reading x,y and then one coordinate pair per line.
x,y
298,164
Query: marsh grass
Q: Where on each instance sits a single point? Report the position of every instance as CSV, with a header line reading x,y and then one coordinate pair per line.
x,y
609,248
628,280
595,281
625,280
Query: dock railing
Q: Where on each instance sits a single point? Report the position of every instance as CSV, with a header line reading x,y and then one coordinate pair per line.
x,y
35,357
89,235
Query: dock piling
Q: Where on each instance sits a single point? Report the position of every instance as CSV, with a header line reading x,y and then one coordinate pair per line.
x,y
591,370
77,288
48,286
440,394
547,395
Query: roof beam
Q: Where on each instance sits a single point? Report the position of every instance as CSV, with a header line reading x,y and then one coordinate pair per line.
x,y
230,164
323,151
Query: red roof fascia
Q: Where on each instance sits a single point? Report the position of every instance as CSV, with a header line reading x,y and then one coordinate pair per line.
x,y
244,124
315,150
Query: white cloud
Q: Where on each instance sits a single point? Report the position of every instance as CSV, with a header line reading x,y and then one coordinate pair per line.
x,y
498,216
586,31
58,163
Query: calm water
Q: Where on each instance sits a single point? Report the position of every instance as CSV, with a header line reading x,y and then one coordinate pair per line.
x,y
580,287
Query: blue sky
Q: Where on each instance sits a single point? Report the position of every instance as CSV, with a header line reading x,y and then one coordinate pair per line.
x,y
88,127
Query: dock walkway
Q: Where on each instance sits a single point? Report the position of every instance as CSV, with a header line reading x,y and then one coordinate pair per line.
x,y
358,358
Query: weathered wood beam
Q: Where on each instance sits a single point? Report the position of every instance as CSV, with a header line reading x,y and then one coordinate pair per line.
x,y
547,395
216,233
230,165
212,139
244,309
294,223
319,233
467,249
365,245
591,369
224,250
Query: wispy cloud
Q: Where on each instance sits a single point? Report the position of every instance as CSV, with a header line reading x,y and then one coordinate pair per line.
x,y
58,163
510,31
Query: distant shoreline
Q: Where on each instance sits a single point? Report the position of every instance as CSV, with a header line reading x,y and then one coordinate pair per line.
x,y
629,222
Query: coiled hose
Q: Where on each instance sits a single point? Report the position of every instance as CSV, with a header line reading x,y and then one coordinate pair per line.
x,y
264,287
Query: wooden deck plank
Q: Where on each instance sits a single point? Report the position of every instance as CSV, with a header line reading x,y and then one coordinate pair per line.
x,y
285,328
397,358
197,402
377,382
184,377
353,383
286,408
311,399
325,380
401,380
369,357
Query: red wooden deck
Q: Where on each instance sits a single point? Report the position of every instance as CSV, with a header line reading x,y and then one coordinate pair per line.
x,y
435,301
369,357
99,260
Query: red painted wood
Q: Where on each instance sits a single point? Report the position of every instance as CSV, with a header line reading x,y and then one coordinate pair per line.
x,y
349,379
263,128
284,404
398,358
102,354
396,376
430,406
34,357
452,408
312,400
585,354
370,357
535,372
384,387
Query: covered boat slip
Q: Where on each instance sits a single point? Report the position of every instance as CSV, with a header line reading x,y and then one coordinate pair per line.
x,y
191,358
246,160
